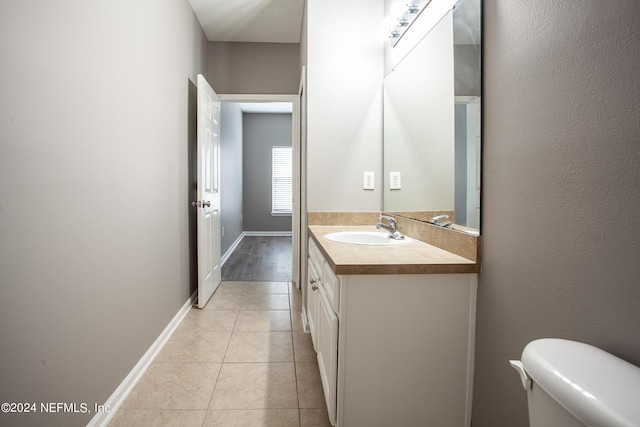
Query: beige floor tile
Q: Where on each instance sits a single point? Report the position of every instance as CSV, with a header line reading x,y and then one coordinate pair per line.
x,y
255,386
295,303
295,298
253,418
296,321
208,321
314,418
310,394
265,301
195,346
263,321
260,347
224,301
232,288
311,417
303,348
174,386
155,417
267,288
292,287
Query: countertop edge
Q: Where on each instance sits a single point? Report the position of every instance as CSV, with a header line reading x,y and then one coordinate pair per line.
x,y
389,269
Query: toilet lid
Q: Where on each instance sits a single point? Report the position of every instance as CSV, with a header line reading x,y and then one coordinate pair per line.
x,y
596,387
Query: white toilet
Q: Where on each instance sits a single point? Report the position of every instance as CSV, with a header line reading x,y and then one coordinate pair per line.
x,y
574,384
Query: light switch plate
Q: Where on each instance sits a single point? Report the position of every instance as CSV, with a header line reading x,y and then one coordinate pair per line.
x,y
368,180
394,181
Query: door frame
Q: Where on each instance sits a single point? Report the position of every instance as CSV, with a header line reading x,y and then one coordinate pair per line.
x,y
299,209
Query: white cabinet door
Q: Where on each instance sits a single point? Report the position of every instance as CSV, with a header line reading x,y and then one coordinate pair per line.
x,y
312,304
327,329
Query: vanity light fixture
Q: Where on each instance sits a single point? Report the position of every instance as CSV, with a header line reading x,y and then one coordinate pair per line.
x,y
413,8
404,22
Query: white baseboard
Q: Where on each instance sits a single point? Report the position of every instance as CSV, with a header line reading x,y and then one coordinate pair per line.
x,y
268,233
305,322
115,401
232,248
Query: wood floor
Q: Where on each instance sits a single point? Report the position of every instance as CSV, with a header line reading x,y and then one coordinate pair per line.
x,y
260,258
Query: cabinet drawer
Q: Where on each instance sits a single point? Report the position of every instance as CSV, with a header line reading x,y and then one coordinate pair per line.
x,y
329,280
331,286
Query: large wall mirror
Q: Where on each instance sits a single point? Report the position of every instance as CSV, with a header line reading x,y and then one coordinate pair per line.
x,y
432,117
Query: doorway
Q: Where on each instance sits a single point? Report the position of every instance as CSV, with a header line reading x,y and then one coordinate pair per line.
x,y
259,236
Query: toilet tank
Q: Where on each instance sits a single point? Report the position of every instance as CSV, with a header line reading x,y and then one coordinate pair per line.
x,y
574,384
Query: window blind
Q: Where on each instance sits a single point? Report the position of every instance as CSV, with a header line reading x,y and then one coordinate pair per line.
x,y
282,180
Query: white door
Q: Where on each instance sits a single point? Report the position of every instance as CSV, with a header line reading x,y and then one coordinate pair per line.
x,y
208,203
298,223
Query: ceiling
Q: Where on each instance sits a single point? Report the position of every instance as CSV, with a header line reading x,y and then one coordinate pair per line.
x,y
268,21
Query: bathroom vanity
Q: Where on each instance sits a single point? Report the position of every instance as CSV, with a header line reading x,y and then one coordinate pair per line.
x,y
393,329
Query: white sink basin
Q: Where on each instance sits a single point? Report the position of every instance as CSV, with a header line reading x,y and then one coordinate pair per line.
x,y
371,238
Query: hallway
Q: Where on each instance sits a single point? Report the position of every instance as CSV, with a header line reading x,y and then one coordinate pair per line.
x,y
260,258
243,360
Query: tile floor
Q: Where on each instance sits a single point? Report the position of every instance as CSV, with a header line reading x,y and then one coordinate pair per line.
x,y
243,360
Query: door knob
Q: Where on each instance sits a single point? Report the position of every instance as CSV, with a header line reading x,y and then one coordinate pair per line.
x,y
206,204
195,204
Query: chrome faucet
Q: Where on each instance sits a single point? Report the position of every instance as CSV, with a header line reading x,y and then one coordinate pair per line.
x,y
436,221
391,227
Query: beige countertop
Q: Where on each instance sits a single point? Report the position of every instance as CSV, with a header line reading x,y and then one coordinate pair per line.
x,y
415,257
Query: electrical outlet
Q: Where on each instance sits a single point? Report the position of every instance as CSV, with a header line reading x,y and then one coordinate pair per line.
x,y
394,181
368,181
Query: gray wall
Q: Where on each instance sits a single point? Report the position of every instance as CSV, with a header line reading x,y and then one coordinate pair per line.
x,y
230,173
467,70
261,132
93,192
254,68
561,188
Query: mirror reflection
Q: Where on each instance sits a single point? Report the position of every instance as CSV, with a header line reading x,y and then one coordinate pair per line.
x,y
432,116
